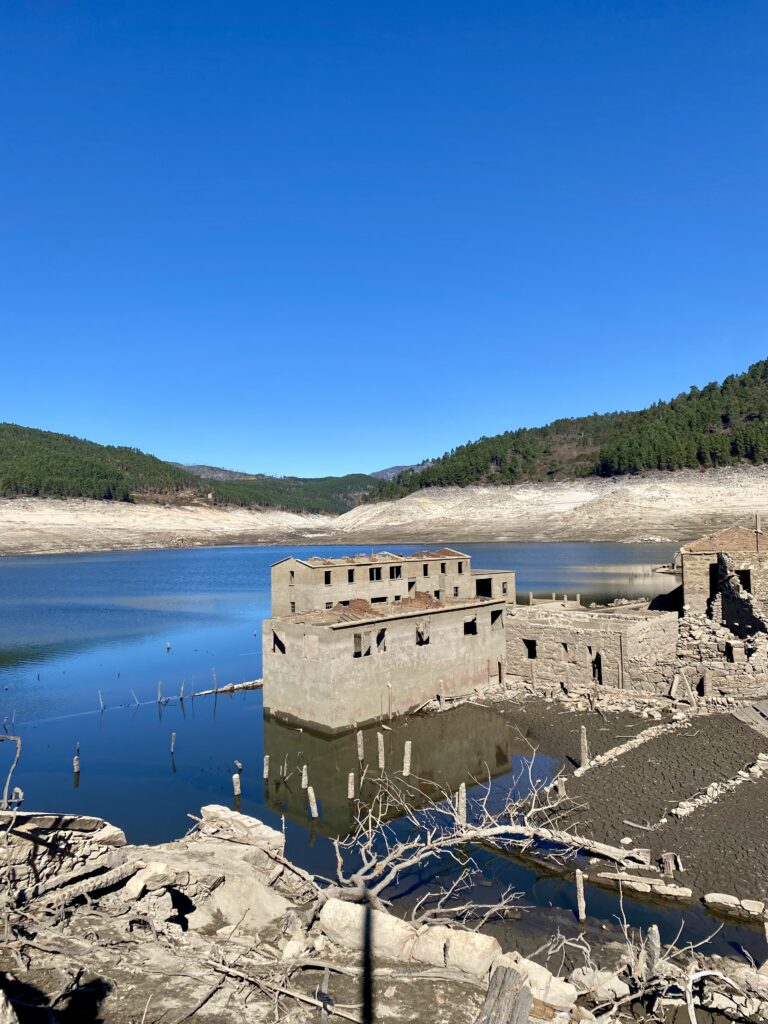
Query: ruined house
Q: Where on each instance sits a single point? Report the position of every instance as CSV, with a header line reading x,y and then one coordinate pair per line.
x,y
357,639
747,554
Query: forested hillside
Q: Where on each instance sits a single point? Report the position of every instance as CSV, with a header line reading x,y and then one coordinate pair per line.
x,y
38,462
718,425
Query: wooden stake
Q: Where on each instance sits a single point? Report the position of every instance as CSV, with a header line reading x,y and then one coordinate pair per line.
x,y
360,748
173,742
135,698
351,786
407,759
159,691
461,805
236,784
76,759
581,903
584,747
312,802
102,705
266,766
181,692
304,777
380,741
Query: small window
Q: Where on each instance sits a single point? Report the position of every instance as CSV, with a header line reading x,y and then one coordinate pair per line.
x,y
395,572
344,604
455,591
470,626
425,569
327,577
361,645
378,600
350,575
374,573
442,567
460,568
530,648
397,597
437,595
278,647
293,607
381,641
422,634
497,619
504,587
291,578
328,604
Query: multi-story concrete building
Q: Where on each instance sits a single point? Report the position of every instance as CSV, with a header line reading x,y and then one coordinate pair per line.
x,y
302,585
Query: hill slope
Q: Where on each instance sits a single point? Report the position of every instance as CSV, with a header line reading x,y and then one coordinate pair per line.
x,y
45,464
718,425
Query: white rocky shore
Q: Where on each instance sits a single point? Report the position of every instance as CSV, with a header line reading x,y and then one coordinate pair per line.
x,y
220,927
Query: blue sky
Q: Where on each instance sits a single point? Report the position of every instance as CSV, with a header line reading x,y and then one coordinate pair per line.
x,y
318,237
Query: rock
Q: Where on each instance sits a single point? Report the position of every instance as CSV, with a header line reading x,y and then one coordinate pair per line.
x,y
109,835
242,899
156,875
721,899
542,983
604,985
134,888
471,952
613,988
7,1012
430,945
675,892
344,924
755,908
294,947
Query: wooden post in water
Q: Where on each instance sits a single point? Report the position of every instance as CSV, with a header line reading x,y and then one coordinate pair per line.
x,y
135,698
584,760
304,777
312,802
76,764
461,805
173,742
581,903
236,784
351,786
266,766
102,705
407,759
380,741
360,748
181,692
159,690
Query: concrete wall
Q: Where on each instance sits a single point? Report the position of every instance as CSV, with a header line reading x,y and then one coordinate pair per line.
x,y
697,582
319,680
496,583
308,590
579,648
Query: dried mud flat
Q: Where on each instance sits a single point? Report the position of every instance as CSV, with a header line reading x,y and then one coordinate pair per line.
x,y
662,506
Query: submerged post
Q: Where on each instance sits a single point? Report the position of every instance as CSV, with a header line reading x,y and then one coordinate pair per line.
x,y
266,766
351,786
304,777
102,705
407,759
461,805
312,802
653,951
236,784
581,903
76,762
360,748
584,747
380,741
173,742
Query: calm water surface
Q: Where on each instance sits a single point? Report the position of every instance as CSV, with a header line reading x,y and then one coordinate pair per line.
x,y
74,625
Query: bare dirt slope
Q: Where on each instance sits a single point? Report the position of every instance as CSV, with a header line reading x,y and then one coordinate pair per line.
x,y
662,506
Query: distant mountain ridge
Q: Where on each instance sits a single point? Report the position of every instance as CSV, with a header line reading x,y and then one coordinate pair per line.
x,y
717,425
46,464
393,471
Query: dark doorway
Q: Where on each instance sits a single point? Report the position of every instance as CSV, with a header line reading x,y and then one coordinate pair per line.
x,y
597,668
714,580
745,579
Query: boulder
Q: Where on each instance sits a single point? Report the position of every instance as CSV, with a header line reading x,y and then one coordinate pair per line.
x,y
7,1012
722,900
344,924
471,952
755,908
430,945
542,983
109,835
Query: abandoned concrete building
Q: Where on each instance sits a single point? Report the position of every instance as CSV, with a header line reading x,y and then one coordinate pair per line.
x,y
304,585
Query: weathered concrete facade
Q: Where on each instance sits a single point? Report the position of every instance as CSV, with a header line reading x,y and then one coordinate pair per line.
x,y
580,647
302,585
351,664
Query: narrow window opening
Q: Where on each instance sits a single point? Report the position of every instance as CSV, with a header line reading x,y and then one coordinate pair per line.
x,y
293,607
378,600
422,634
350,575
470,626
729,652
497,619
455,591
411,586
504,588
530,648
278,647
291,578
442,567
395,572
745,579
327,577
460,568
374,573
381,640
425,569
361,645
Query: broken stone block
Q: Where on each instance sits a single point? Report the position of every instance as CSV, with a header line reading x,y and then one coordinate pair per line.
x,y
344,924
430,945
471,952
722,900
543,984
755,908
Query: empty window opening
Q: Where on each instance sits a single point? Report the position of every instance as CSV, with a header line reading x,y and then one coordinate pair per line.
x,y
497,619
397,597
374,573
381,640
597,667
344,604
422,634
395,572
460,568
729,652
745,579
530,648
470,626
278,647
455,591
437,595
293,607
504,588
378,600
311,646
328,604
361,644
291,578
350,575
411,586
442,567
425,569
484,587
714,580
327,577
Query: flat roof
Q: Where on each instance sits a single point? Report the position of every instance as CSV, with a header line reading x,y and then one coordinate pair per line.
x,y
360,611
315,561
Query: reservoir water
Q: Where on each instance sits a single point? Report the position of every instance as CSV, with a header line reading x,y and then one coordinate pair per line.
x,y
74,627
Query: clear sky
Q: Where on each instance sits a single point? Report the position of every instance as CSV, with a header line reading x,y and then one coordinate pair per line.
x,y
324,236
